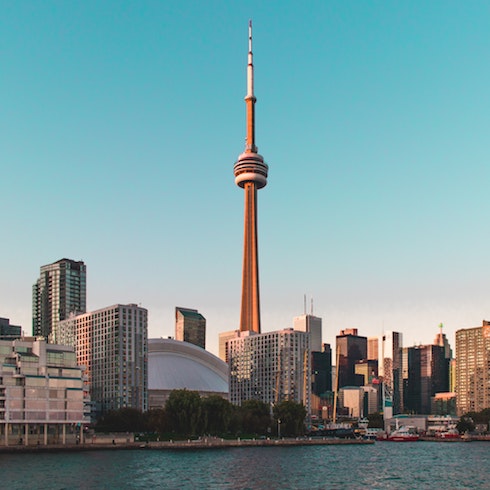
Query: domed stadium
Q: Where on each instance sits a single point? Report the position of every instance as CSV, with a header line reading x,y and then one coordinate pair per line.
x,y
176,365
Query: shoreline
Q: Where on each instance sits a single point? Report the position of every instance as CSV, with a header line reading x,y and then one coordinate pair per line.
x,y
205,443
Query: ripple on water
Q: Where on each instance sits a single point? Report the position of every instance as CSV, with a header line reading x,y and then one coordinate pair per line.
x,y
380,466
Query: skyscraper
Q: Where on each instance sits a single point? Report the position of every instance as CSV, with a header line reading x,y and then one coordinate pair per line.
x,y
190,326
250,174
473,368
112,344
313,325
60,290
425,372
350,349
389,368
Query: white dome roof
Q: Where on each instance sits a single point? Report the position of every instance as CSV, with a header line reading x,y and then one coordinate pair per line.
x,y
175,365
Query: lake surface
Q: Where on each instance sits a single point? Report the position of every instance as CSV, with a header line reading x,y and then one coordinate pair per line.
x,y
381,465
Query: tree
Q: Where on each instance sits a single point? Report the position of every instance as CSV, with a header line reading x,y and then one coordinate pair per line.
x,y
158,421
465,424
291,417
254,417
122,420
183,409
216,414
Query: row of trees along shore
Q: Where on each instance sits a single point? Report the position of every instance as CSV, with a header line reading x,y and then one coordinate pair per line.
x,y
187,414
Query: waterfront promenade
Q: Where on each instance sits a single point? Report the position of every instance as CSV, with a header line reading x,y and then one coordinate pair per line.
x,y
118,443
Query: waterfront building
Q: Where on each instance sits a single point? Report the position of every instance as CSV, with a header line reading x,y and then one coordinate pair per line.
x,y
178,365
60,290
8,331
112,345
190,326
313,325
271,367
250,172
473,368
41,393
351,348
390,371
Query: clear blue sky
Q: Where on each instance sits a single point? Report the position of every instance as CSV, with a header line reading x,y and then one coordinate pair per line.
x,y
121,121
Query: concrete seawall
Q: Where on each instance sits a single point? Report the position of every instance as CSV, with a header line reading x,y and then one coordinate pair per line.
x,y
204,443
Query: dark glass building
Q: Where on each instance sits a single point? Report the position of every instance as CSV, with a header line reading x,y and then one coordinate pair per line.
x,y
425,373
350,349
321,371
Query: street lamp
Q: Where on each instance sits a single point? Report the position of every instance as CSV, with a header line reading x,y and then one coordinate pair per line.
x,y
278,428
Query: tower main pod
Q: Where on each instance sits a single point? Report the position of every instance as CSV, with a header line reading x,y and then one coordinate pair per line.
x,y
250,174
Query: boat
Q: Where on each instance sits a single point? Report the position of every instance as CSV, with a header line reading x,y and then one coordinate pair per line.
x,y
405,433
449,434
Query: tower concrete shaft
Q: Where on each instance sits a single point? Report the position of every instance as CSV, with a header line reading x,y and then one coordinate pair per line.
x,y
250,174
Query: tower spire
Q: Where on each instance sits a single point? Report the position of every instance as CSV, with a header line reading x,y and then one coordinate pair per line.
x,y
250,172
250,97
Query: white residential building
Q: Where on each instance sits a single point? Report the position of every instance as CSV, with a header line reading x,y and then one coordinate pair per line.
x,y
41,393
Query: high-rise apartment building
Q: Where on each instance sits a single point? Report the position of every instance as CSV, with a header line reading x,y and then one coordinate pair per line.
x,y
389,369
313,325
473,368
60,290
351,348
190,326
270,367
112,344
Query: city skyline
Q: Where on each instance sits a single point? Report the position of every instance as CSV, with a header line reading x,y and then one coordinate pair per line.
x,y
121,122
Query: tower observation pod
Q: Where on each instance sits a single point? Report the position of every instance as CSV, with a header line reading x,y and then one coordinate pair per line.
x,y
250,174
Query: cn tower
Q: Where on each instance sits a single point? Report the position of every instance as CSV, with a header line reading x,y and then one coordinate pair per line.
x,y
250,174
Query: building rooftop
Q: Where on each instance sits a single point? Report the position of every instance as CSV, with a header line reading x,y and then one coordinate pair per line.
x,y
174,364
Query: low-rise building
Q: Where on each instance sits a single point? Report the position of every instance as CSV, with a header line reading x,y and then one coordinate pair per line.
x,y
41,393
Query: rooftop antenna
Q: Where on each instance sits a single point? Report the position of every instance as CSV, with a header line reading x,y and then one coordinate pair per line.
x,y
311,307
304,304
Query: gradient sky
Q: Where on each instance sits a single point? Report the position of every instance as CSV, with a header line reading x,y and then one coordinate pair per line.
x,y
121,120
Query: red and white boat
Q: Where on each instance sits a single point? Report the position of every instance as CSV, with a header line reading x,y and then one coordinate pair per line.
x,y
449,434
406,433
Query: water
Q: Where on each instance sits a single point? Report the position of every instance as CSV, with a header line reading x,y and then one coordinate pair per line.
x,y
383,465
